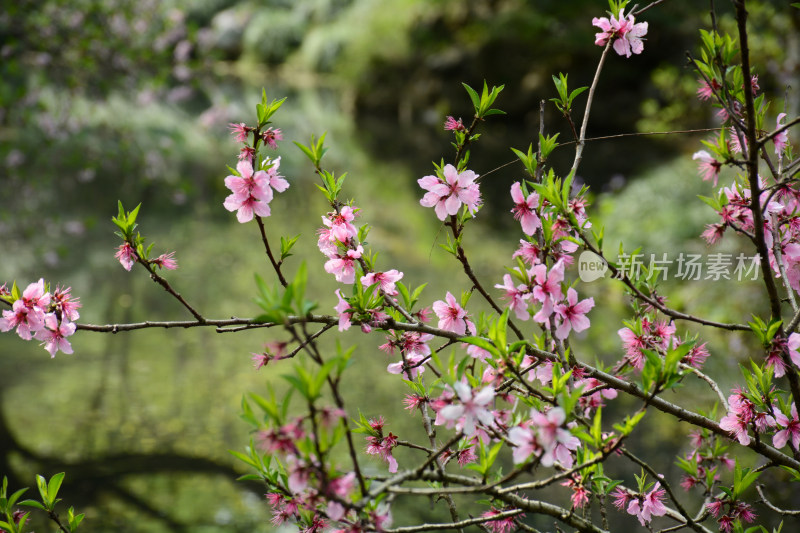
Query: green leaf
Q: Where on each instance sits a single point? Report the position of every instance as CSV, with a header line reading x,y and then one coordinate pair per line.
x,y
476,101
41,484
247,413
54,486
14,497
33,503
244,458
480,342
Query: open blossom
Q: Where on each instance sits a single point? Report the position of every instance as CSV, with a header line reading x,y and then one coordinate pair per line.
x,y
343,308
27,314
386,280
547,288
793,343
572,314
275,180
525,209
471,410
411,368
737,420
647,506
453,317
251,193
340,225
447,196
343,265
525,443
126,255
517,297
791,429
54,334
554,439
627,33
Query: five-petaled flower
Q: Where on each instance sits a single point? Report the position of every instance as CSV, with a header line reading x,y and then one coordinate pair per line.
x,y
453,317
525,209
251,193
626,33
471,410
446,197
572,314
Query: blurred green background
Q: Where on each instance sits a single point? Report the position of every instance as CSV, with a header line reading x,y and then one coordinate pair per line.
x,y
103,100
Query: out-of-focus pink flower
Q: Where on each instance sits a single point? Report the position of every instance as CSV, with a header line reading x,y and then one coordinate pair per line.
x,y
472,408
708,167
500,525
272,350
706,90
627,33
248,152
271,137
382,446
580,494
525,443
781,139
736,141
239,131
793,344
621,498
447,196
713,233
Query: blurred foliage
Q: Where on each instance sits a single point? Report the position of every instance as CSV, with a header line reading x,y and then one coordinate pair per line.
x,y
129,99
